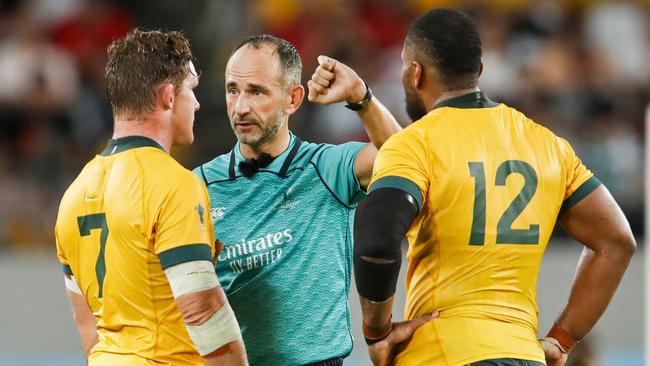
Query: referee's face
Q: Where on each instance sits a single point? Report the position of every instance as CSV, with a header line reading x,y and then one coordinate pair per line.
x,y
255,96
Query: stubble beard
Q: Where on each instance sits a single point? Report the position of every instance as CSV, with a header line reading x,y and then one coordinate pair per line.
x,y
414,106
268,131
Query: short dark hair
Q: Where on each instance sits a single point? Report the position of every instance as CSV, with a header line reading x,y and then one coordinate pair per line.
x,y
141,61
290,61
451,41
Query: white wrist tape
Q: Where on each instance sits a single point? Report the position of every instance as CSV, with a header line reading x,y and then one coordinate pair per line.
x,y
191,277
222,328
72,285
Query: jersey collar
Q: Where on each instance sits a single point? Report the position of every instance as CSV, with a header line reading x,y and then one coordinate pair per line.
x,y
469,100
279,165
115,146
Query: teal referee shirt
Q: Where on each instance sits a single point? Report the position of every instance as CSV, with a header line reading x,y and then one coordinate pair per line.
x,y
286,263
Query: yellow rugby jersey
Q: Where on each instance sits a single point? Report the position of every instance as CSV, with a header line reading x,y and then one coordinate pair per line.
x,y
490,184
131,212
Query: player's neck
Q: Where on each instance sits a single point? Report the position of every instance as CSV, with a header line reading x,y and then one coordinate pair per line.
x,y
274,147
446,95
144,127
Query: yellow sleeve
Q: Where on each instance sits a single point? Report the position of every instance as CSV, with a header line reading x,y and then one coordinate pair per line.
x,y
401,164
61,255
580,181
183,227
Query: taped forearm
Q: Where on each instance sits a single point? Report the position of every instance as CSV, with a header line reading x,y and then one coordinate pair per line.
x,y
381,226
210,321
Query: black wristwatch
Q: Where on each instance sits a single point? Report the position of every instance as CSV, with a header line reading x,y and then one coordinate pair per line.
x,y
363,102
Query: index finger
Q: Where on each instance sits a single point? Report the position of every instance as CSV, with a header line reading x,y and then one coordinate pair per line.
x,y
324,73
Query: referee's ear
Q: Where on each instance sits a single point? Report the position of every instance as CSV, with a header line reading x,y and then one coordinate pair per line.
x,y
295,96
480,70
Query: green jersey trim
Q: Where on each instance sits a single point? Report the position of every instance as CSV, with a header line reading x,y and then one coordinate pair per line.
x,y
185,253
127,143
67,270
470,100
400,183
585,188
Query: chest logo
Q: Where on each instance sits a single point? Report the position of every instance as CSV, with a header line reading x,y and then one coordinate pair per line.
x,y
200,210
217,213
287,203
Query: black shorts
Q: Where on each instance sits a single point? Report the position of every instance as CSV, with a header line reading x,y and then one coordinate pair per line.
x,y
506,362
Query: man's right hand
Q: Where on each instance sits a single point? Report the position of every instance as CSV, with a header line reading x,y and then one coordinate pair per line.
x,y
334,82
553,352
383,352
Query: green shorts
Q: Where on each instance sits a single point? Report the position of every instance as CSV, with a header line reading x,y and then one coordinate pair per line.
x,y
506,362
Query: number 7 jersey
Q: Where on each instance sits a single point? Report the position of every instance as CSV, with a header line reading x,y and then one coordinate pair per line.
x,y
131,212
490,184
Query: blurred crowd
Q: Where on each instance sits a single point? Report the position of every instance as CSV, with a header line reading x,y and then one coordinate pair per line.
x,y
576,66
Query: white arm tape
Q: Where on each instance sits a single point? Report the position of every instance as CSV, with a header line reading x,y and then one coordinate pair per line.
x,y
72,285
189,277
222,328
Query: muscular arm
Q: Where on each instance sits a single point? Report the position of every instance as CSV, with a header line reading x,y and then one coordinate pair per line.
x,y
199,307
598,223
334,82
380,125
208,317
83,317
382,224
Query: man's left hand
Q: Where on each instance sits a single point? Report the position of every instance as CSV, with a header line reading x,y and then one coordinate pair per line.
x,y
383,352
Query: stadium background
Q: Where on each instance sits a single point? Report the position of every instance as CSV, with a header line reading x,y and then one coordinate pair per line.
x,y
576,66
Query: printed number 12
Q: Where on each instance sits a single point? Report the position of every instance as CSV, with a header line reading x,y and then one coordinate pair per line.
x,y
505,233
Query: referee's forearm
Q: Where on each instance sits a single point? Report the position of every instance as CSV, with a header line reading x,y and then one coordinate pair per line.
x,y
378,122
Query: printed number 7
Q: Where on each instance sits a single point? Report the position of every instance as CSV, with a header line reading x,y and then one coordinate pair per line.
x,y
505,233
86,224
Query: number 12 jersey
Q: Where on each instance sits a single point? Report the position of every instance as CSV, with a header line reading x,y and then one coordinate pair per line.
x,y
490,184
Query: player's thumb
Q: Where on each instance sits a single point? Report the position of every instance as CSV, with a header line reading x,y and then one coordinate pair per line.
x,y
404,330
326,62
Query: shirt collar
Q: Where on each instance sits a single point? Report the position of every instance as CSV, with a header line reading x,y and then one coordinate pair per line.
x,y
276,164
115,146
469,100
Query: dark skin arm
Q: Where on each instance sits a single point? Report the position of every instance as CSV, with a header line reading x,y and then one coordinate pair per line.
x,y
378,317
599,224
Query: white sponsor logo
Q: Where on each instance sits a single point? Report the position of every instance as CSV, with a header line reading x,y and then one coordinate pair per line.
x,y
217,213
288,203
254,253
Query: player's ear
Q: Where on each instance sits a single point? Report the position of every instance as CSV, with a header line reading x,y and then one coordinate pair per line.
x,y
295,96
418,74
167,95
480,70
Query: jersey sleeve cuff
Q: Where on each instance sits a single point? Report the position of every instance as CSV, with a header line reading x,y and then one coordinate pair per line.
x,y
67,270
400,183
185,253
585,188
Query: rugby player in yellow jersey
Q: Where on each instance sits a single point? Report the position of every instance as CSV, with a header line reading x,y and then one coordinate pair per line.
x,y
134,231
477,187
